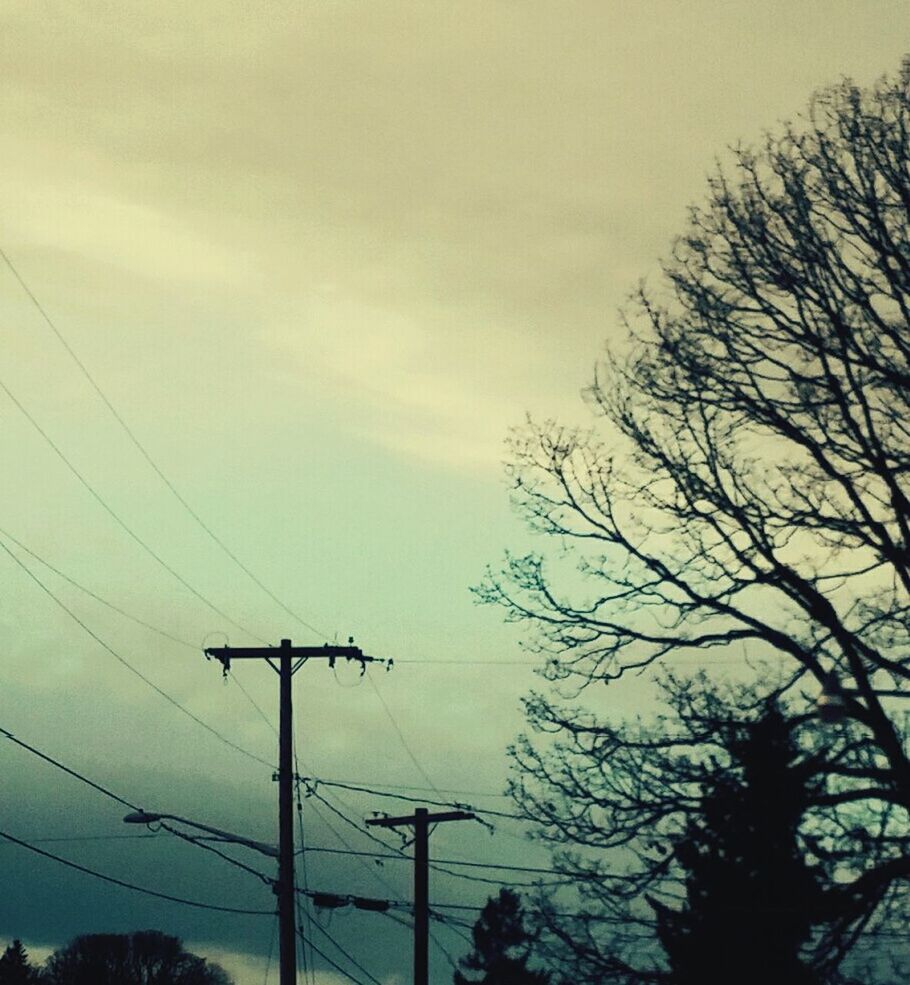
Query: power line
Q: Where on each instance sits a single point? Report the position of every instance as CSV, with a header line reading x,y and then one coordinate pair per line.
x,y
133,670
232,675
66,769
349,821
349,851
129,885
133,618
416,800
433,865
376,875
73,838
447,861
466,663
338,967
94,595
453,926
415,786
116,516
307,961
203,843
268,960
343,951
147,456
198,842
400,734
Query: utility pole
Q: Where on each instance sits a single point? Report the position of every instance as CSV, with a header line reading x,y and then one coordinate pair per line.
x,y
289,660
421,820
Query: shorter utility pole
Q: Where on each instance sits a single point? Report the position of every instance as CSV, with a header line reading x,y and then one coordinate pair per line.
x,y
420,821
286,660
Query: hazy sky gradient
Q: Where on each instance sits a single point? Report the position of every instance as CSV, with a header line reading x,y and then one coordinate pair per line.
x,y
321,257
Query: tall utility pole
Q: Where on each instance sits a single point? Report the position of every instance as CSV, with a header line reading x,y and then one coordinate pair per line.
x,y
421,820
289,660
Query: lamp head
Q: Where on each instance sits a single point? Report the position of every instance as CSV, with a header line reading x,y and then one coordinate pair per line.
x,y
141,817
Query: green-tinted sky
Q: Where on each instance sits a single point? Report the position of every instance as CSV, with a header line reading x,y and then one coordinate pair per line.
x,y
320,257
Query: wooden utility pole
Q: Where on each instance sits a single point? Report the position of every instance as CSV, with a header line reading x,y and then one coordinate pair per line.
x,y
286,660
421,820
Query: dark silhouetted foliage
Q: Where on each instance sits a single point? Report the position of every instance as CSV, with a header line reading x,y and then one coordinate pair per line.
x,y
502,946
751,900
145,957
15,968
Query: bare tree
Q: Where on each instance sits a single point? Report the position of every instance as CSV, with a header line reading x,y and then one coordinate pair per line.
x,y
750,487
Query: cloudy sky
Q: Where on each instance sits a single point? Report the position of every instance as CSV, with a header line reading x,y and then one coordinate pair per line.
x,y
320,257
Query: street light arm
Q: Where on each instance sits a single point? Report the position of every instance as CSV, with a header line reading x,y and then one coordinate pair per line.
x,y
144,817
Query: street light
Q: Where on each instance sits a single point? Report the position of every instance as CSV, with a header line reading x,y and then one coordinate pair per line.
x,y
144,817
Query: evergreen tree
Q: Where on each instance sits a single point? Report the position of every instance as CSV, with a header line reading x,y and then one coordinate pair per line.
x,y
14,966
502,946
751,898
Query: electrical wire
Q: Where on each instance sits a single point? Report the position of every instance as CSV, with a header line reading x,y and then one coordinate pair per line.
x,y
140,447
204,844
414,786
435,865
442,949
133,670
417,800
374,874
349,821
453,926
303,906
66,769
338,967
132,617
118,519
231,675
75,838
400,734
450,861
344,951
93,595
268,960
129,885
194,840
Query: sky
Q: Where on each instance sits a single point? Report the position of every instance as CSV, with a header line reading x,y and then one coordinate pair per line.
x,y
320,258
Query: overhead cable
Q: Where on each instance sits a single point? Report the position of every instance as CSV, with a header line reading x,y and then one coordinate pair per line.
x,y
133,670
343,951
140,447
94,595
416,800
132,886
338,967
118,519
400,734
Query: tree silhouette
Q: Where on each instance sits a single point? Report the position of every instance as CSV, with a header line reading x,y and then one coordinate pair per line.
x,y
752,486
751,900
502,946
145,957
707,844
14,966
